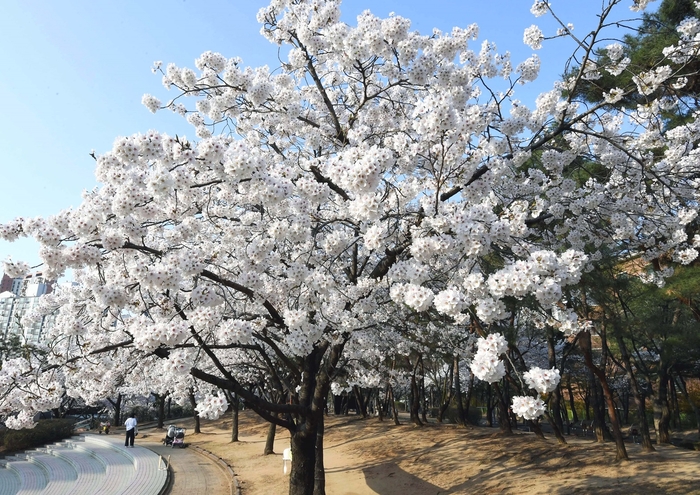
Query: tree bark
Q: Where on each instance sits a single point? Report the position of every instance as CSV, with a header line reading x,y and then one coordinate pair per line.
x,y
392,404
161,410
234,419
117,405
193,402
461,417
689,399
503,416
585,345
662,415
636,394
360,400
320,475
572,402
415,399
270,440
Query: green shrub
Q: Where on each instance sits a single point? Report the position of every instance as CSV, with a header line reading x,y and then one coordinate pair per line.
x,y
45,432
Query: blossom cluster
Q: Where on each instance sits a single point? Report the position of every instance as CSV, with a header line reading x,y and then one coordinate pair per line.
x,y
211,406
486,364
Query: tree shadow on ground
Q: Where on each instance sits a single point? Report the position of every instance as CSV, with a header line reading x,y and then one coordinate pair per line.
x,y
388,477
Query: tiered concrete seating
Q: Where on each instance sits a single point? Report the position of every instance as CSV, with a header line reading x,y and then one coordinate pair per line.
x,y
148,478
32,478
85,465
62,475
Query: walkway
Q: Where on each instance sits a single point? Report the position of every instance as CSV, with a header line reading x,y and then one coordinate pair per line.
x,y
192,473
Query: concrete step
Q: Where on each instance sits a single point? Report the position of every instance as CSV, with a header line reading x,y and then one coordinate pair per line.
x,y
32,478
85,465
62,475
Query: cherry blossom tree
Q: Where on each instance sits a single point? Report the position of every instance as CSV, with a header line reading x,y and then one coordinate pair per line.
x,y
377,172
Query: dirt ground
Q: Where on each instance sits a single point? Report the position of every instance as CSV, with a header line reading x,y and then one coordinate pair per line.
x,y
366,457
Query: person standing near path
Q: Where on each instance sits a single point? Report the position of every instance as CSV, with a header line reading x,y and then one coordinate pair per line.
x,y
130,424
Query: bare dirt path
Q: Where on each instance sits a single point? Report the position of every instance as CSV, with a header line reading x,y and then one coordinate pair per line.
x,y
368,457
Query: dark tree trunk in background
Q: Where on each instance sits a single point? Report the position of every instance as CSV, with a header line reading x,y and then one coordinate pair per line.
x,y
468,401
392,404
637,395
555,399
461,416
270,440
423,402
234,420
503,416
662,415
585,345
193,402
361,403
689,399
117,405
415,397
572,402
489,405
161,410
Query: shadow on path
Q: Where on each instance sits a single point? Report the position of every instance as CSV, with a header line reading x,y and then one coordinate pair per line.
x,y
390,478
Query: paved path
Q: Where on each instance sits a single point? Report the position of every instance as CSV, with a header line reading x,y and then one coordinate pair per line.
x,y
193,473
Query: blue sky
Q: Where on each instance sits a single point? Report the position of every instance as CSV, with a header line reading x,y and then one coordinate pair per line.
x,y
74,72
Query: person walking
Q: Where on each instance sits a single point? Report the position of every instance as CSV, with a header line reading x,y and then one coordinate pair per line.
x,y
130,424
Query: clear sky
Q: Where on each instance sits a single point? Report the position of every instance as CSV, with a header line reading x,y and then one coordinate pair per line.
x,y
73,73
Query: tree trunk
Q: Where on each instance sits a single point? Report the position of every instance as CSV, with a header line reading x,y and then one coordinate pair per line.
x,y
662,415
302,477
234,420
489,405
572,402
503,419
392,404
197,428
415,401
320,474
161,410
585,345
270,440
360,400
461,417
468,401
637,395
555,399
689,399
423,402
117,405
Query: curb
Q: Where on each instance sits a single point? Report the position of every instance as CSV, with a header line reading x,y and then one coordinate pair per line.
x,y
233,481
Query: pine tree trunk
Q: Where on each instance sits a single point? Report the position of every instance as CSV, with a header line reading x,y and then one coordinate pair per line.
x,y
585,345
662,414
647,446
572,401
689,399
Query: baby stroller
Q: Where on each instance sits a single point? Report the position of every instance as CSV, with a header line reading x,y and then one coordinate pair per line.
x,y
104,427
175,436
